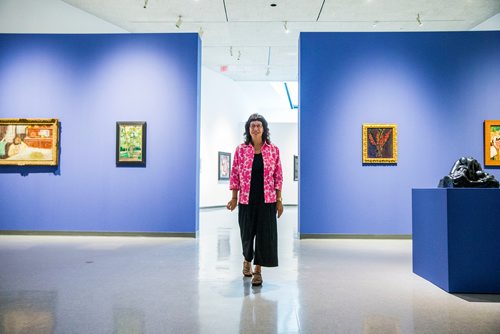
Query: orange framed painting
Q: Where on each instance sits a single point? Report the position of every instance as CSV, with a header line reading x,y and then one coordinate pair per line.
x,y
380,144
492,143
29,141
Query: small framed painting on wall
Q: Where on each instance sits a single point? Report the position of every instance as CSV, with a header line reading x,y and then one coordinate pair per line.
x,y
131,144
29,141
295,167
224,165
380,144
492,143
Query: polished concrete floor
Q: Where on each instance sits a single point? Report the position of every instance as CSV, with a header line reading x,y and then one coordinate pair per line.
x,y
176,285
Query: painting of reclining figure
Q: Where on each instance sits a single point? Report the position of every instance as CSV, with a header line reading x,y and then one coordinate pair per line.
x,y
29,141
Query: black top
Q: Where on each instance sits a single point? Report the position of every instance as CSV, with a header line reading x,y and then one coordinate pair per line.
x,y
257,181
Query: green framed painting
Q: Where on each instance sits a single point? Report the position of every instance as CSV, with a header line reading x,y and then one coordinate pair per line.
x,y
29,141
131,144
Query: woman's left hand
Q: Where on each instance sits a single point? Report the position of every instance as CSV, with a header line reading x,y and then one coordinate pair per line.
x,y
279,208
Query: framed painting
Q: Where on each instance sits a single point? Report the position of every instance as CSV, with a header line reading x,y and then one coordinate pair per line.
x,y
131,143
29,141
380,144
492,143
224,165
295,167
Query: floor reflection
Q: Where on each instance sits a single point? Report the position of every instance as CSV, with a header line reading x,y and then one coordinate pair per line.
x,y
258,314
376,323
268,309
27,312
223,243
128,321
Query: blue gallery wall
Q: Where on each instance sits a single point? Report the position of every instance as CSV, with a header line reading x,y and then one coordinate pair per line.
x,y
89,82
437,87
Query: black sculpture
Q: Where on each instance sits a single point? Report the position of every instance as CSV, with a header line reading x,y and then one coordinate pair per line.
x,y
467,173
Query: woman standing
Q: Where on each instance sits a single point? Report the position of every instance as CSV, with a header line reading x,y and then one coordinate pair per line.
x,y
257,176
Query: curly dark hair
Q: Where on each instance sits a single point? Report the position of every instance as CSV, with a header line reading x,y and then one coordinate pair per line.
x,y
266,138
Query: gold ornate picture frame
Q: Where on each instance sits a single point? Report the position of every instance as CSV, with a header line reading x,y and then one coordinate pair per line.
x,y
29,141
380,144
492,143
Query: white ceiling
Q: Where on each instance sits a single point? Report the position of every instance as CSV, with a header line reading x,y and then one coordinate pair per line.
x,y
248,38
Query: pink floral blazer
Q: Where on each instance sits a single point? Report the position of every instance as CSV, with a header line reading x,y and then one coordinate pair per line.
x,y
241,173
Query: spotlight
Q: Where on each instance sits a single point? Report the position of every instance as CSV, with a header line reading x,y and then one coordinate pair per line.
x,y
179,22
239,55
375,23
200,32
145,3
419,20
285,26
231,51
268,72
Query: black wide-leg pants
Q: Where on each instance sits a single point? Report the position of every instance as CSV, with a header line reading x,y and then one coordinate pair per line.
x,y
258,223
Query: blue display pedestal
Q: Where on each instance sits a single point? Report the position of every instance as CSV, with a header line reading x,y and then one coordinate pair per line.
x,y
456,238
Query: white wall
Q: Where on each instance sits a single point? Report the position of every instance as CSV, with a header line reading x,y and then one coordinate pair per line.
x,y
49,16
223,108
270,100
285,136
493,23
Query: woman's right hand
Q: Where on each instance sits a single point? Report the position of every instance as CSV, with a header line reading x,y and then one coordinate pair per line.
x,y
231,205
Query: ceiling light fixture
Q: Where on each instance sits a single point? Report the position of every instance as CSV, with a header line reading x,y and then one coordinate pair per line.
x,y
268,72
273,5
419,20
200,32
239,55
375,23
179,22
285,26
231,51
145,3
